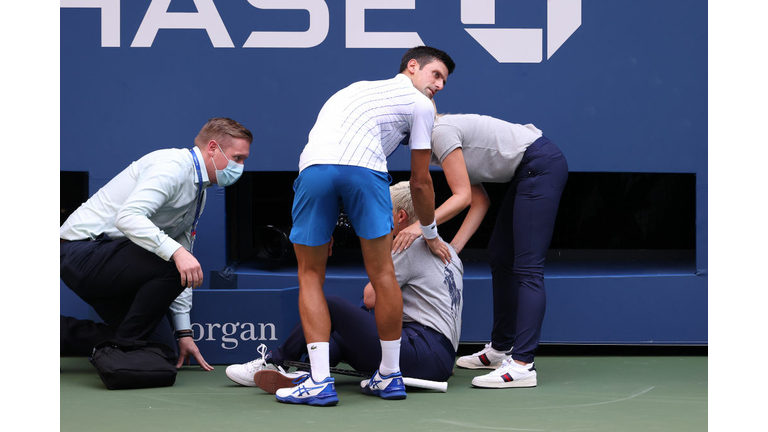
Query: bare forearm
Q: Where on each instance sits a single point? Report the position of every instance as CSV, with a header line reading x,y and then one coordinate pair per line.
x,y
477,211
450,208
461,190
423,194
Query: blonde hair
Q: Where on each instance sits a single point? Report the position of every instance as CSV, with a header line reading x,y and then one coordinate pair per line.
x,y
219,128
401,199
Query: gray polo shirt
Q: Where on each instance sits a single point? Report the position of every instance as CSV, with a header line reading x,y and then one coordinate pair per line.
x,y
492,148
432,291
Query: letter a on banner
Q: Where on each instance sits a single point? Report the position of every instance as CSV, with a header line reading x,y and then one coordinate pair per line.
x,y
207,17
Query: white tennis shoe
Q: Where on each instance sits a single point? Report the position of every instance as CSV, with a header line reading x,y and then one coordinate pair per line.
x,y
309,392
243,373
509,374
385,387
486,358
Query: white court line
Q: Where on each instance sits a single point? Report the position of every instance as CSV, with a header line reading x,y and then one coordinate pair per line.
x,y
476,426
599,403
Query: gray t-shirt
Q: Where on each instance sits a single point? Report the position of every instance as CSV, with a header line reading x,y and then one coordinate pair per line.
x,y
432,291
492,148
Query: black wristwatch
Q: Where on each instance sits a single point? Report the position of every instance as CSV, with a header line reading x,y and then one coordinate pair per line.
x,y
183,333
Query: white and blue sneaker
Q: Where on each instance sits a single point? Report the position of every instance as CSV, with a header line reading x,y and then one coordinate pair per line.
x,y
386,387
307,391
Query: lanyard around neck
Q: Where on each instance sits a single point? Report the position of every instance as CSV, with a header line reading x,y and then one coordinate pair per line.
x,y
199,194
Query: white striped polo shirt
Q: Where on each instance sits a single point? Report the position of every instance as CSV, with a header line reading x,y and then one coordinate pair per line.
x,y
363,124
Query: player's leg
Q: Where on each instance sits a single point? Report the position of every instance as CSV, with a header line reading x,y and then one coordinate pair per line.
x,y
316,388
387,382
315,211
369,206
355,334
368,203
313,309
381,272
366,198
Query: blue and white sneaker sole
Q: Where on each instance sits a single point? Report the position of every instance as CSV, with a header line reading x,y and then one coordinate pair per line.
x,y
328,400
393,395
393,391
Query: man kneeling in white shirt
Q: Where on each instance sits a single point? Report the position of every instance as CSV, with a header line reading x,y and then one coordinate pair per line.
x,y
127,251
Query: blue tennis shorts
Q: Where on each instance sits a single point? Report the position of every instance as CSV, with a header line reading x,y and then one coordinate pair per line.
x,y
320,189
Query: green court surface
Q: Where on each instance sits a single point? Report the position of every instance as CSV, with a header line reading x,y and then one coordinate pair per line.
x,y
574,393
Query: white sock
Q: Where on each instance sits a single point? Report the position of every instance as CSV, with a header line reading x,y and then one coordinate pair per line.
x,y
318,360
390,357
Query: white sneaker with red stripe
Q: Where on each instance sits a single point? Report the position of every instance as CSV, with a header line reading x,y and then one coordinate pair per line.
x,y
509,374
487,358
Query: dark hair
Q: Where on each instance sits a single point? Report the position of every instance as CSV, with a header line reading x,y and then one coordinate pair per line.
x,y
424,55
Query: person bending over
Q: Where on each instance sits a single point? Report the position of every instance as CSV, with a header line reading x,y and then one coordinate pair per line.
x,y
474,149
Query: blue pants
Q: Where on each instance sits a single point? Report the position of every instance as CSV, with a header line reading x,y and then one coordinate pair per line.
x,y
518,248
129,287
424,352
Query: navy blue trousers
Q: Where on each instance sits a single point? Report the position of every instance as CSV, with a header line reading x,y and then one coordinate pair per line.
x,y
518,248
129,287
424,352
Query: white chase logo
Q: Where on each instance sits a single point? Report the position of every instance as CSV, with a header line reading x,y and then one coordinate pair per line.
x,y
506,45
224,332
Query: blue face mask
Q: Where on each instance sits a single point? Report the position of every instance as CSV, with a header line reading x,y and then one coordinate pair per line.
x,y
230,174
